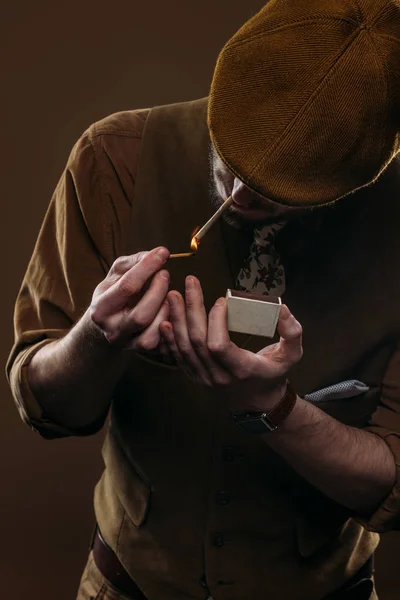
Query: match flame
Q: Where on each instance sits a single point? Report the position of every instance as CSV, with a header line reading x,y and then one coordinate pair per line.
x,y
194,244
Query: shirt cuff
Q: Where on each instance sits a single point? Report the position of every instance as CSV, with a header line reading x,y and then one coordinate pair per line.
x,y
387,516
29,407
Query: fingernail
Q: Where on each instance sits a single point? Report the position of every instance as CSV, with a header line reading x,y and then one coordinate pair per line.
x,y
220,302
189,283
164,275
162,254
171,300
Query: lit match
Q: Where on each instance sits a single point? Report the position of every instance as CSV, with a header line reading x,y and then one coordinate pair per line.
x,y
182,255
197,236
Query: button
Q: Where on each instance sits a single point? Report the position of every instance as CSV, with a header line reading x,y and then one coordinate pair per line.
x,y
218,540
229,454
222,498
203,581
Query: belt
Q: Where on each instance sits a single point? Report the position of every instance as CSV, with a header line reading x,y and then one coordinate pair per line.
x,y
359,587
110,567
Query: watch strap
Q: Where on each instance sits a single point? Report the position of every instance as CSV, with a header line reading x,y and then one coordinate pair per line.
x,y
284,407
261,422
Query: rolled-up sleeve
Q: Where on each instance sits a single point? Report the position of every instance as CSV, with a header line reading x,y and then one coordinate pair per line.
x,y
385,423
80,237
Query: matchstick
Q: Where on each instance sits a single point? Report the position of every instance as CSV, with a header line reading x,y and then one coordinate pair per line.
x,y
182,255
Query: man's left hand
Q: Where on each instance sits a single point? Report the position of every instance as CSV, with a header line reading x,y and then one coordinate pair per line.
x,y
203,349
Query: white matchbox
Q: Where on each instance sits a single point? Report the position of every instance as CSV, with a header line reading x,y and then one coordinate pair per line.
x,y
254,314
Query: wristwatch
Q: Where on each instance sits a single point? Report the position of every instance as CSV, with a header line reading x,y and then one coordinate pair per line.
x,y
263,422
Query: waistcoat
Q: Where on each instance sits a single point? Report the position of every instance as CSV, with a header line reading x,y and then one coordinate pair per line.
x,y
191,505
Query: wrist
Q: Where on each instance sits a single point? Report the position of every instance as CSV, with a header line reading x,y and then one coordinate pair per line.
x,y
264,402
97,336
259,422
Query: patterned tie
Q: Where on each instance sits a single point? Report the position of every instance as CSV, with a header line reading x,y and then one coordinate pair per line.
x,y
263,272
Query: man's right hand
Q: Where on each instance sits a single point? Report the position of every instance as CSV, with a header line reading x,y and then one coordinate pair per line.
x,y
130,303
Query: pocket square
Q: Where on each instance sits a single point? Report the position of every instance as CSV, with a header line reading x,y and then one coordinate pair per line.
x,y
344,389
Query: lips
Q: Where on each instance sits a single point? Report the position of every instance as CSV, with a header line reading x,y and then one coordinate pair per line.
x,y
241,207
246,203
248,212
249,206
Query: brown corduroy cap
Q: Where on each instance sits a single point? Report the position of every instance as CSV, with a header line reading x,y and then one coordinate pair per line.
x,y
305,100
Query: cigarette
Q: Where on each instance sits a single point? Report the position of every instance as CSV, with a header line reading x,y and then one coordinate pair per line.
x,y
182,255
202,232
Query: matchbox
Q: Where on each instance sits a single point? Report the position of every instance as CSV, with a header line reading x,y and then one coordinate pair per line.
x,y
253,313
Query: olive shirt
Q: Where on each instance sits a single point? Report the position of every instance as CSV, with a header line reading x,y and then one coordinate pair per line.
x,y
186,497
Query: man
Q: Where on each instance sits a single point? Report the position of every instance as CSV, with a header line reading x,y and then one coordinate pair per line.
x,y
234,469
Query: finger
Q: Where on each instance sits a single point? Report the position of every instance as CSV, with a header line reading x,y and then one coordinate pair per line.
x,y
165,352
196,316
181,334
150,338
219,342
198,330
123,263
143,314
131,283
126,323
168,335
120,266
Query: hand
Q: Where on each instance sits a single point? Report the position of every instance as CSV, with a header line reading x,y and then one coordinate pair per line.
x,y
130,303
204,351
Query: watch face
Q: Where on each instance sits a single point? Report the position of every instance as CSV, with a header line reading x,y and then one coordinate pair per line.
x,y
256,425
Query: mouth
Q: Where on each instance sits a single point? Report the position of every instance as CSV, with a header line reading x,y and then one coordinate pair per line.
x,y
251,210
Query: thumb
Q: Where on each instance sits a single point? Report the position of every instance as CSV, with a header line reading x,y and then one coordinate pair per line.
x,y
289,350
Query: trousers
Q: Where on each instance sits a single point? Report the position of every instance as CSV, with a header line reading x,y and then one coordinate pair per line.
x,y
93,586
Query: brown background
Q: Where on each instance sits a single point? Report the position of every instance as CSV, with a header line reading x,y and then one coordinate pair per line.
x,y
62,67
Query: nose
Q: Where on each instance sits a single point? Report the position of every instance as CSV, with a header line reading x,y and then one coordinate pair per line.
x,y
241,194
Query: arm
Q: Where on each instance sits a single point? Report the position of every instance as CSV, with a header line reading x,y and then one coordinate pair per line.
x,y
354,468
73,378
64,364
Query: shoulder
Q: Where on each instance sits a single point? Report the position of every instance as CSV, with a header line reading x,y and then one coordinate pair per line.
x,y
110,148
129,123
110,145
117,135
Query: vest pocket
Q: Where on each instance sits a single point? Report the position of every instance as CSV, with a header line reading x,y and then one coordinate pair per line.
x,y
318,520
131,487
313,535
